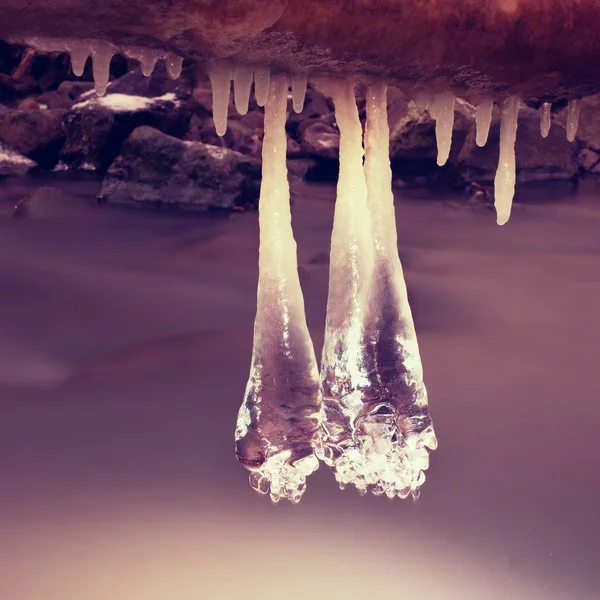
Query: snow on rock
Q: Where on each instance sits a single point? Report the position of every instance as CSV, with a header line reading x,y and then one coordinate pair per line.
x,y
14,163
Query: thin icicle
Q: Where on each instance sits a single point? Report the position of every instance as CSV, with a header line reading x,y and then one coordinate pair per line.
x,y
299,83
573,118
278,422
242,83
483,120
80,52
504,183
262,76
444,123
174,65
102,53
545,119
220,75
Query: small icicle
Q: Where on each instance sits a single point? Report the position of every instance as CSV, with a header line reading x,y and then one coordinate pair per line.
x,y
545,120
262,76
174,65
242,82
483,120
573,118
147,60
504,183
444,123
102,53
220,78
80,51
299,83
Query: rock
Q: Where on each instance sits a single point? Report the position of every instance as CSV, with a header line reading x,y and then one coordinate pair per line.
x,y
13,163
97,127
538,159
159,170
315,106
320,139
38,134
65,95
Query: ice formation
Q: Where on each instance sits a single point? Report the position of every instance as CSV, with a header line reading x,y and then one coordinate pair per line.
x,y
278,422
442,110
261,84
220,74
545,119
299,83
242,83
483,120
573,118
376,427
504,183
174,64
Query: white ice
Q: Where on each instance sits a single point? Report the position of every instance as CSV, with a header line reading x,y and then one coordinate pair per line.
x,y
545,119
174,65
442,110
102,53
573,118
262,76
299,83
242,83
220,74
483,120
504,182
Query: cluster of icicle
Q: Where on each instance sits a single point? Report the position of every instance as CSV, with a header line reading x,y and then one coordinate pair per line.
x,y
102,53
365,415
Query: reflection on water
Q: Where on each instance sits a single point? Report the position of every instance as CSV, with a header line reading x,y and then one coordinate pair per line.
x,y
125,340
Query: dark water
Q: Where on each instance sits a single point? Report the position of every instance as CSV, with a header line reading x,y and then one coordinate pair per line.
x,y
125,341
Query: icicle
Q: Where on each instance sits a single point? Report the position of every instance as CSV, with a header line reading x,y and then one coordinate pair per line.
x,y
261,84
102,53
242,82
545,119
80,51
278,422
422,98
148,60
174,65
444,123
573,118
220,78
483,120
504,183
299,83
377,426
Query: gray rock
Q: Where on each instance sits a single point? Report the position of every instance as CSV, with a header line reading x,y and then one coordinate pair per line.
x,y
12,163
38,134
159,170
320,140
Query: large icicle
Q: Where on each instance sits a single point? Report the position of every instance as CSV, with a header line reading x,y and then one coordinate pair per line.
x,y
483,120
377,426
220,75
299,83
102,53
242,83
261,84
504,182
442,110
80,52
573,118
279,418
174,65
545,119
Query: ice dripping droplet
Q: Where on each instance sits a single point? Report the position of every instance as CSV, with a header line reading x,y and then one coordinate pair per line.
x,y
242,83
220,75
278,422
174,65
504,182
545,119
443,109
573,118
483,120
262,76
299,83
377,427
80,52
102,53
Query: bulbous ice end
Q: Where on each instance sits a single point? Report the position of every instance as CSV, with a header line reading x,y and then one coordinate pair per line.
x,y
380,462
283,480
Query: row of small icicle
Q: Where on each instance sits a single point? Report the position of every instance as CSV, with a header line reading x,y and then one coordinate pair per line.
x,y
441,106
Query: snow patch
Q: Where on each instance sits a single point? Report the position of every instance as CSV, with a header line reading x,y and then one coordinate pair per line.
x,y
124,102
